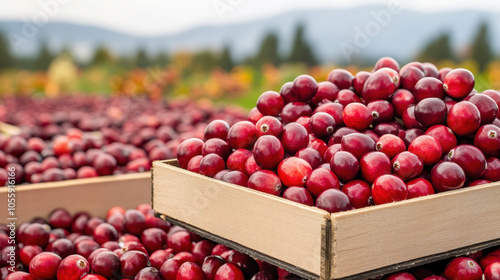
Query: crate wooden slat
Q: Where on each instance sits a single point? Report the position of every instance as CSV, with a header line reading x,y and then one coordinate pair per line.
x,y
413,229
94,195
268,227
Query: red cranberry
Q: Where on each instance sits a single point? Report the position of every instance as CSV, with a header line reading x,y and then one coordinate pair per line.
x,y
447,176
60,218
390,145
36,234
73,267
132,262
327,157
16,146
426,148
428,87
269,125
495,95
470,158
458,83
28,252
194,164
268,152
270,103
410,75
322,124
106,264
265,181
216,146
401,100
333,109
382,111
86,172
105,232
216,129
333,200
321,179
105,164
44,266
236,177
347,96
345,165
190,270
294,110
211,164
379,86
254,116
170,268
492,272
359,81
18,275
358,192
326,92
388,62
294,138
430,111
299,194
487,139
179,242
341,78
464,118
419,187
293,171
135,222
201,250
444,136
357,116
229,271
492,171
85,247
238,159
312,156
407,165
187,150
463,268
154,239
93,277
63,247
304,88
357,144
250,166
487,107
159,257
409,119
388,188
242,135
148,273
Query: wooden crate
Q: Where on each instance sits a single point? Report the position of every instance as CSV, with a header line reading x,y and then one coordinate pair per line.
x,y
94,195
314,244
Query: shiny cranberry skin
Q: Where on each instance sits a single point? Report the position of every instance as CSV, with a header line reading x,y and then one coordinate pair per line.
x,y
229,271
326,92
44,266
400,100
270,103
62,247
135,222
487,139
409,119
250,166
463,268
211,164
374,165
148,273
104,233
428,87
216,146
187,150
201,250
294,110
294,138
358,192
458,83
430,111
216,129
242,135
304,88
447,176
379,86
85,247
293,171
341,78
36,234
407,165
132,262
388,188
359,80
60,218
19,275
322,124
487,107
419,187
73,267
495,95
194,164
157,258
470,158
427,149
312,156
320,180
269,125
210,266
444,136
334,109
464,118
492,171
390,145
347,96
268,152
388,62
170,268
410,75
492,272
254,115
179,242
401,276
238,159
299,194
154,239
247,265
333,201
327,157
357,144
382,111
235,177
357,116
304,121
28,252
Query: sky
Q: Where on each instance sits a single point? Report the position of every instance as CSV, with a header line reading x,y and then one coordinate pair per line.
x,y
161,17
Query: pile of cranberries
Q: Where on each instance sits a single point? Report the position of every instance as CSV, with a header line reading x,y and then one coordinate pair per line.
x,y
133,244
354,141
80,137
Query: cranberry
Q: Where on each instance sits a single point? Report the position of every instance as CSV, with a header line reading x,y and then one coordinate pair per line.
x,y
326,92
299,194
135,222
91,257
444,136
487,107
410,75
194,164
357,144
28,252
216,129
105,232
333,200
401,276
492,171
495,95
293,171
270,103
492,272
458,83
374,165
334,109
294,138
93,277
463,268
250,166
86,172
409,119
341,78
36,234
371,133
132,262
170,268
419,187
359,81
159,257
347,96
430,111
216,146
388,188
211,164
44,266
229,271
268,152
322,124
400,100
388,62
179,242
312,156
379,85
73,267
487,139
16,146
304,88
426,148
188,149
148,273
470,158
235,177
63,247
320,180
265,181
382,111
464,118
304,121
447,176
428,87
154,239
242,135
106,264
390,145
85,247
294,110
345,165
210,266
60,218
407,165
269,125
19,275
357,116
254,116
358,192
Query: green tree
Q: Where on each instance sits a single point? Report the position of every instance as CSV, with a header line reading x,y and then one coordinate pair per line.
x,y
481,50
205,60
161,59
6,58
43,58
268,52
101,55
226,61
438,48
141,58
301,52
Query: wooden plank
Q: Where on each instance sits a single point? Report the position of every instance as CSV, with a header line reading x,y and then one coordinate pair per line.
x,y
375,237
94,195
272,226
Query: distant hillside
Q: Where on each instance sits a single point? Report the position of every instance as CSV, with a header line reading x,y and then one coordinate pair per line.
x,y
327,30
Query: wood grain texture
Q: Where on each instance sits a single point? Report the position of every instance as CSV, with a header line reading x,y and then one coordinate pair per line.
x,y
375,237
281,229
94,195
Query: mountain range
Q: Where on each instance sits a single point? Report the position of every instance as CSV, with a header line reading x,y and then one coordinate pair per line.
x,y
368,32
